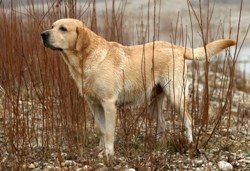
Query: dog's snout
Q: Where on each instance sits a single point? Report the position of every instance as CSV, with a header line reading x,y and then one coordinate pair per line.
x,y
45,35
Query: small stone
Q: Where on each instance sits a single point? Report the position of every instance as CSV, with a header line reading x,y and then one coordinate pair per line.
x,y
247,161
65,168
198,162
187,161
47,168
86,167
56,168
225,166
36,164
24,166
117,167
69,163
198,169
237,164
101,167
215,150
209,165
81,169
32,166
131,169
232,137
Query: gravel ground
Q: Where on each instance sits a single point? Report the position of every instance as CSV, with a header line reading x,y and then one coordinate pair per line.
x,y
228,148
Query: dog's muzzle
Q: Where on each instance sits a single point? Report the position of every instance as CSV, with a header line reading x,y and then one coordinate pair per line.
x,y
45,39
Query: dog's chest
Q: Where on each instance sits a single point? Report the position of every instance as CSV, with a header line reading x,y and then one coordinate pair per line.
x,y
80,70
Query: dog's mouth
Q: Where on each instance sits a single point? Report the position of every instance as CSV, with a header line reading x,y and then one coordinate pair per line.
x,y
46,44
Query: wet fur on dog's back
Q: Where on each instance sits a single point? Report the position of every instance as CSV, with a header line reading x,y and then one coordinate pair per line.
x,y
110,75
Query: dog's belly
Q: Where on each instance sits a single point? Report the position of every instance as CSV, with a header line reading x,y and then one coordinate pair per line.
x,y
131,100
138,98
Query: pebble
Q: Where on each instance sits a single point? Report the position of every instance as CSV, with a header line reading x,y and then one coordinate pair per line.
x,y
199,169
198,162
131,169
85,167
101,167
225,166
24,166
68,163
81,169
247,161
32,166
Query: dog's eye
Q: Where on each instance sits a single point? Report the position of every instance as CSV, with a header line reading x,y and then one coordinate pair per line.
x,y
52,27
63,29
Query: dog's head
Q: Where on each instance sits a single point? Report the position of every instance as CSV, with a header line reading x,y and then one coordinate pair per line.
x,y
65,34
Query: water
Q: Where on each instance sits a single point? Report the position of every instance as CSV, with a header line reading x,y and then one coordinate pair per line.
x,y
243,62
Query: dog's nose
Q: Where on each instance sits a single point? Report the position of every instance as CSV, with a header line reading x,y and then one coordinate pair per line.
x,y
44,35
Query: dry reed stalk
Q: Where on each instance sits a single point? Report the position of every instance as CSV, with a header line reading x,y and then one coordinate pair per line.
x,y
42,107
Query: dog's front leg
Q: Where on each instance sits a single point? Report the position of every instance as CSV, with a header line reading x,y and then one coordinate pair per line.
x,y
98,113
110,123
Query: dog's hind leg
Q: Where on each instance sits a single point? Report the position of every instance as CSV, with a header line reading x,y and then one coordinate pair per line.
x,y
155,111
175,91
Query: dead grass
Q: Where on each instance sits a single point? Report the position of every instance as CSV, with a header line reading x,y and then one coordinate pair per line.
x,y
43,113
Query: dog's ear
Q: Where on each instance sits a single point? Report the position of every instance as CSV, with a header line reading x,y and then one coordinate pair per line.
x,y
82,40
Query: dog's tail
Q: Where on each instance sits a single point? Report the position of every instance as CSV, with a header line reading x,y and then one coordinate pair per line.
x,y
211,49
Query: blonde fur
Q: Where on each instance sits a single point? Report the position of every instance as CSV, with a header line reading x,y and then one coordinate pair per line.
x,y
111,75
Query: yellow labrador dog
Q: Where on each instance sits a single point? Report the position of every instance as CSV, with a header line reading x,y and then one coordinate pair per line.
x,y
110,75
